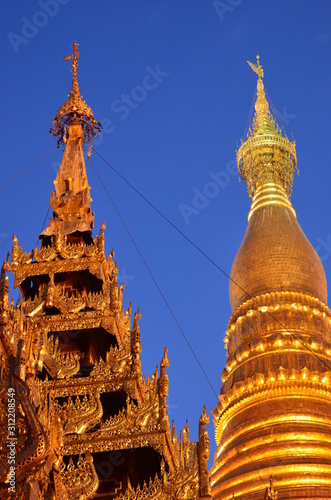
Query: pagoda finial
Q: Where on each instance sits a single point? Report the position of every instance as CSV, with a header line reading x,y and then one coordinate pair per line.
x,y
75,110
266,154
74,58
258,68
74,125
263,121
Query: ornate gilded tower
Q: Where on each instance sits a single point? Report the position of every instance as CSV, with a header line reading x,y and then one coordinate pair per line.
x,y
273,417
87,423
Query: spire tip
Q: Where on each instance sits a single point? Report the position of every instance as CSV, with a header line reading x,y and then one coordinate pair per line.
x,y
257,68
75,110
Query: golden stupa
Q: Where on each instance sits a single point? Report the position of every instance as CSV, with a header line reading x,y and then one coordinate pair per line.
x,y
273,418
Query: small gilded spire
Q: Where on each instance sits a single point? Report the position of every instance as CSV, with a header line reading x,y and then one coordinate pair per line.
x,y
165,363
258,68
263,121
75,110
74,126
203,456
164,390
266,154
74,58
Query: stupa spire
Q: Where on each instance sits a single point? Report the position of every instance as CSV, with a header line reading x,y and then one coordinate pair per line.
x,y
277,338
266,159
74,126
263,121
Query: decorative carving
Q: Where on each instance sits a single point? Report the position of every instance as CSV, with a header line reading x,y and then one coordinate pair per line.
x,y
203,452
80,481
98,300
18,256
31,307
68,300
117,363
81,414
185,447
60,364
50,292
154,490
29,441
101,240
119,360
144,416
116,424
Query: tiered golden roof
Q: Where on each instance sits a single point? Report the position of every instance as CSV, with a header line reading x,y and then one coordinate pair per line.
x,y
71,355
273,414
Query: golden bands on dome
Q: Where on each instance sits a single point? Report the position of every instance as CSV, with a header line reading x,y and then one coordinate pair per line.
x,y
269,194
75,110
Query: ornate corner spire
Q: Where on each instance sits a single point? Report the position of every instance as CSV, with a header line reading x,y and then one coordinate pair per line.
x,y
203,455
165,363
267,154
164,389
136,344
75,110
